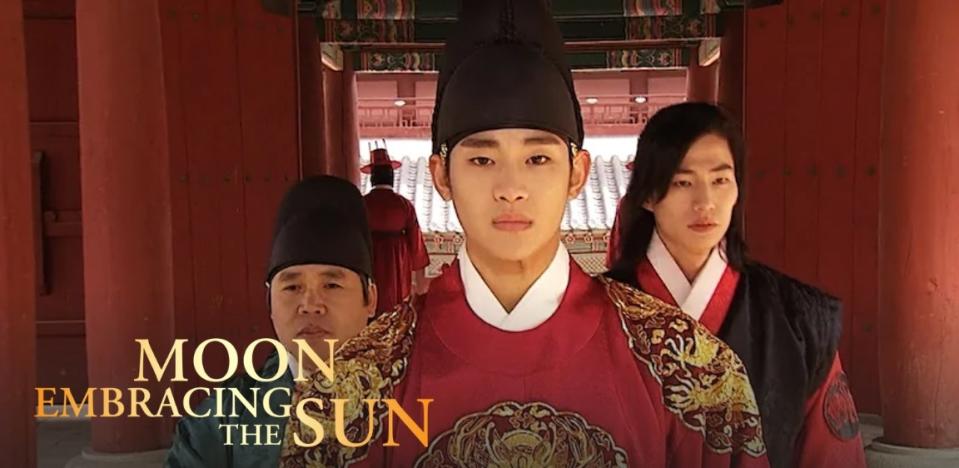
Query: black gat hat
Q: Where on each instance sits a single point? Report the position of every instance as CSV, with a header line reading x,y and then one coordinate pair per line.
x,y
504,68
322,220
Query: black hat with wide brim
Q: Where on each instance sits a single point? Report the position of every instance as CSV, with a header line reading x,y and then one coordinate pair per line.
x,y
322,221
504,68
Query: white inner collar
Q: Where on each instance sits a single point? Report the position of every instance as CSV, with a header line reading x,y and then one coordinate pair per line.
x,y
692,298
291,363
535,307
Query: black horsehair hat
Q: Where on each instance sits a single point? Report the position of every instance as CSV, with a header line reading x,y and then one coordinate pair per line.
x,y
322,220
504,68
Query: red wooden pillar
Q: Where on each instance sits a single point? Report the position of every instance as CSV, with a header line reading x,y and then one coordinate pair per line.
x,y
351,124
702,83
127,234
310,64
332,83
341,144
732,64
919,229
18,282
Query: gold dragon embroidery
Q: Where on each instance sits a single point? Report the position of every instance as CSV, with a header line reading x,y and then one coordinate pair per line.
x,y
368,366
704,383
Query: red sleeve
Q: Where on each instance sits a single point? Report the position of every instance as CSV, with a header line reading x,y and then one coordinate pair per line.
x,y
692,451
830,437
418,254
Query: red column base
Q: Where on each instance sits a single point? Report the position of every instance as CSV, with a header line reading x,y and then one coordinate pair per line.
x,y
882,455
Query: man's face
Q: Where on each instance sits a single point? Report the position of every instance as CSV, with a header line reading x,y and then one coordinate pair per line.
x,y
695,213
316,303
510,189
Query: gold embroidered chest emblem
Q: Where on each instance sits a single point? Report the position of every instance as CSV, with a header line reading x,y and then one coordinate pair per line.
x,y
512,434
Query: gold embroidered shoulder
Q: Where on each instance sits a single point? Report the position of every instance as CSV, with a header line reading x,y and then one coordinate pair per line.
x,y
703,381
368,366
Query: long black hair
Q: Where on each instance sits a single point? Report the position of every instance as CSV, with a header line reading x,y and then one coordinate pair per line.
x,y
659,153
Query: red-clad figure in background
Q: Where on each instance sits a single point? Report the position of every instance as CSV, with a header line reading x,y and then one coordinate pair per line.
x,y
399,252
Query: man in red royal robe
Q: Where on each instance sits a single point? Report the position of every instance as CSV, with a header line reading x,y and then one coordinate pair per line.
x,y
683,217
829,436
528,361
399,252
556,381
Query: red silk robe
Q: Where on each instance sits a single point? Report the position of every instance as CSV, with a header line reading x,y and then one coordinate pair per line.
x,y
822,442
612,378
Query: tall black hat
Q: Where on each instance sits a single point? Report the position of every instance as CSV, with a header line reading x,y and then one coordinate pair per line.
x,y
322,220
504,68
